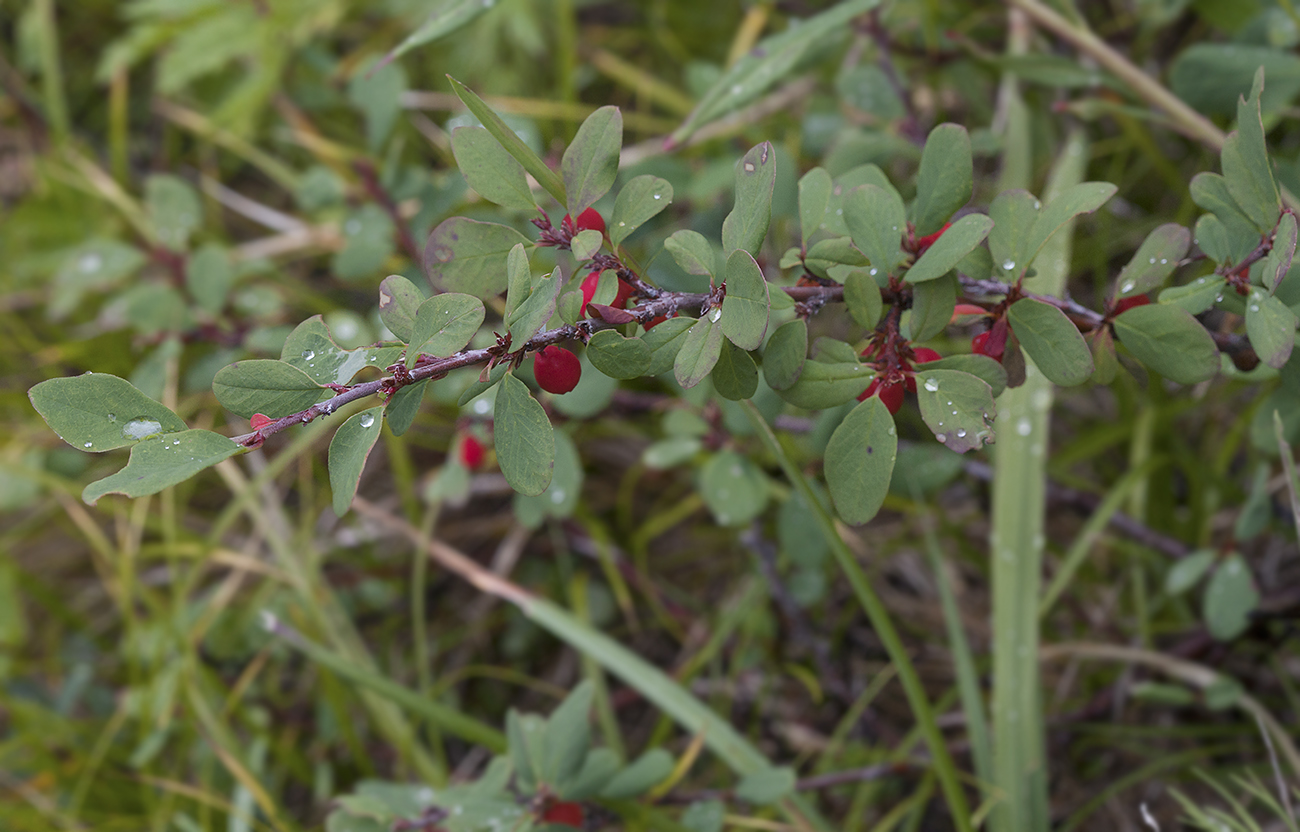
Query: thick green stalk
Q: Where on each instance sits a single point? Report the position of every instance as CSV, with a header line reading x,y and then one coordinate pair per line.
x,y
944,768
1017,538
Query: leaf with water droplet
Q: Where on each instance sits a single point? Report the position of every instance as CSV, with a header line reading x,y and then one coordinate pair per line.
x,y
348,452
639,201
1271,325
745,227
1154,260
312,349
94,408
163,461
1197,296
977,365
525,440
699,351
970,396
272,388
862,297
873,216
860,461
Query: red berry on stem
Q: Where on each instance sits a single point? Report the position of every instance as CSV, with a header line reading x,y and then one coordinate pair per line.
x,y
924,355
590,220
564,812
556,369
890,393
589,284
471,452
1124,304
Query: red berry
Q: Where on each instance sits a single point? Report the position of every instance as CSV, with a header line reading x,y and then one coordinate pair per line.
x,y
564,812
258,421
890,393
657,320
556,369
590,220
471,452
592,281
924,355
981,345
1124,304
928,240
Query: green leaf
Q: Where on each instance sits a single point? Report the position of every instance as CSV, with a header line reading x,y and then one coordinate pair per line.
x,y
699,350
399,300
376,89
733,488
643,774
735,376
586,244
770,62
272,388
444,324
402,408
590,163
618,357
1246,166
525,733
1211,192
312,349
368,241
1014,214
845,184
534,312
1170,341
174,209
1212,76
1213,238
862,296
704,816
1230,598
638,202
1278,261
163,461
478,388
875,218
568,736
837,251
745,227
1105,362
1155,260
957,406
945,180
860,461
447,17
209,274
1052,341
490,170
94,265
597,770
1083,198
746,307
468,256
932,307
981,366
692,252
823,385
664,342
814,195
349,450
560,499
525,440
954,244
98,412
766,786
1271,325
511,142
785,354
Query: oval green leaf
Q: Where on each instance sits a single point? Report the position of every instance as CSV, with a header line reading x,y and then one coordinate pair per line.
x,y
1054,343
525,440
746,307
814,195
1155,260
638,202
490,170
399,299
862,296
932,306
272,388
735,376
786,352
1169,341
348,452
860,461
1271,325
1230,598
945,179
875,219
469,256
590,163
444,324
164,461
733,488
97,412
618,357
745,227
692,252
957,406
822,385
699,351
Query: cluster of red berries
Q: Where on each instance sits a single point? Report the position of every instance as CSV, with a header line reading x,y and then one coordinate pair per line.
x,y
564,813
890,388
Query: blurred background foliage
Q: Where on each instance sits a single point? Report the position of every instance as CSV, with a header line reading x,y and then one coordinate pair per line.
x,y
183,181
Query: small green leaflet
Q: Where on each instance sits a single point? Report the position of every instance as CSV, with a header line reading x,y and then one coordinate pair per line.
x,y
1170,341
733,488
375,89
448,16
1155,260
945,180
272,388
1211,192
638,202
664,341
349,450
209,274
1013,213
511,142
444,324
618,357
641,775
97,412
823,385
174,209
954,244
1246,167
368,241
875,218
745,227
560,499
568,736
1230,598
490,170
933,303
1054,343
735,376
399,299
862,296
1278,261
692,252
525,441
403,407
785,353
699,350
957,406
746,307
312,349
814,196
860,461
1186,573
530,302
1083,198
590,163
586,244
464,255
162,461
766,786
981,366
1271,325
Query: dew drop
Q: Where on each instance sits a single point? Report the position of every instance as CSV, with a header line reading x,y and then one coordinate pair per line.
x,y
735,89
1254,307
176,441
872,272
138,429
112,417
1037,205
1218,298
482,406
367,419
621,224
961,433
558,495
931,384
658,196
1008,265
308,355
1127,287
1024,426
89,445
839,211
941,437
1152,261
90,262
1164,261
716,314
